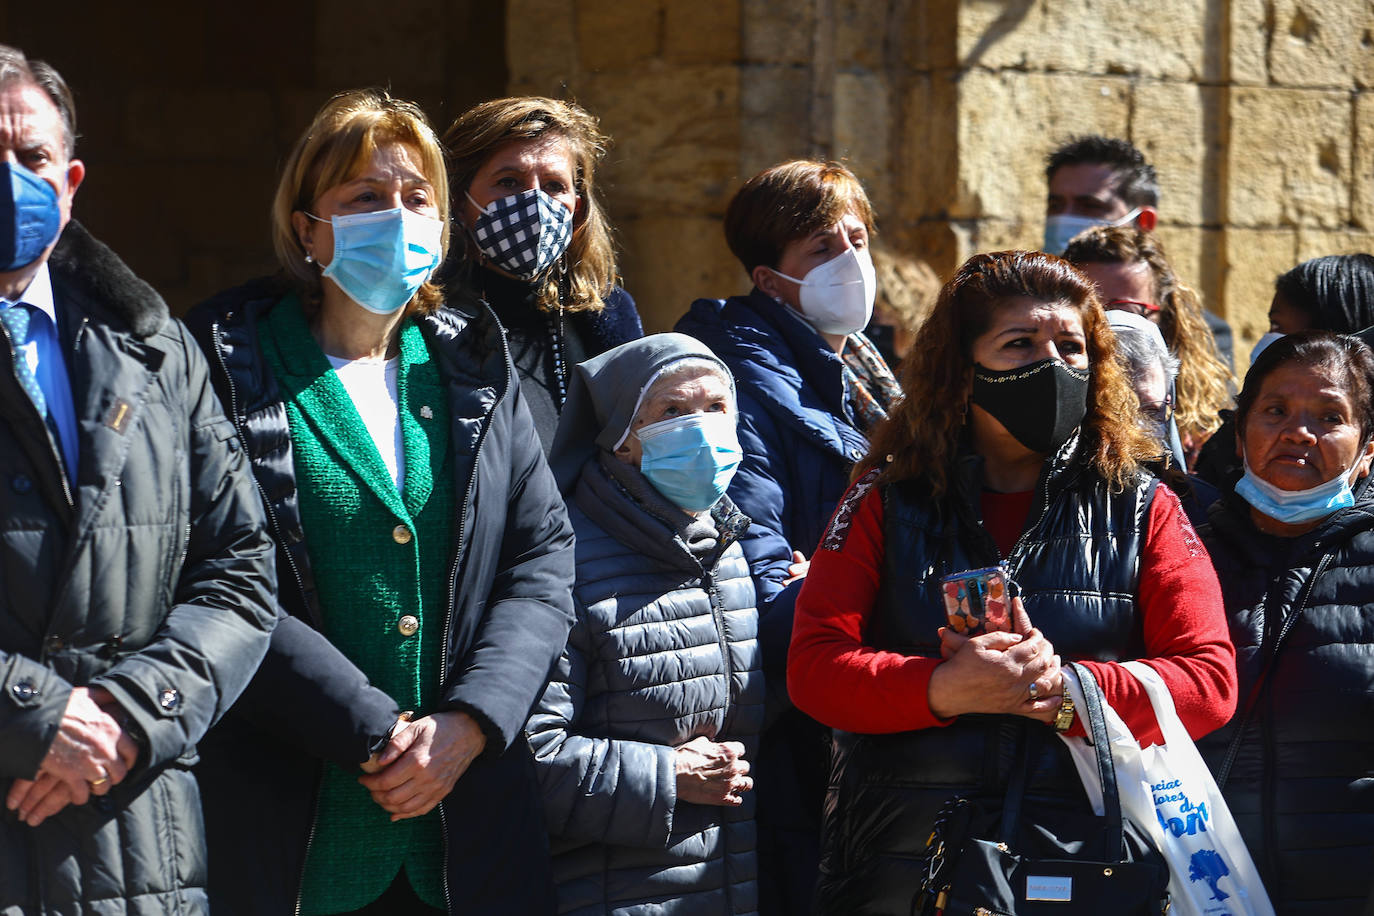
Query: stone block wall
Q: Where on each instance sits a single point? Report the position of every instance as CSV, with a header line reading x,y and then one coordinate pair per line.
x,y
187,111
1258,115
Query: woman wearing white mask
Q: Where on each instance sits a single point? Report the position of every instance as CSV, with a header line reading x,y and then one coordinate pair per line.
x,y
535,242
811,386
1293,546
419,533
644,737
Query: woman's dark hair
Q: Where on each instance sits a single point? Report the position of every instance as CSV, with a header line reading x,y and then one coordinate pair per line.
x,y
789,201
1336,292
920,438
1349,360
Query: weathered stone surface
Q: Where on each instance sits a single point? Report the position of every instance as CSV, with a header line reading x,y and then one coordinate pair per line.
x,y
1319,43
775,117
1362,198
862,121
1009,122
1316,243
612,33
1289,158
1161,39
1175,125
927,156
670,261
190,124
778,33
701,33
1249,29
541,60
1254,257
409,52
676,132
861,32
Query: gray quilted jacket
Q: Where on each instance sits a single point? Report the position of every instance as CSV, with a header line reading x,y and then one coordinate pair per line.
x,y
663,651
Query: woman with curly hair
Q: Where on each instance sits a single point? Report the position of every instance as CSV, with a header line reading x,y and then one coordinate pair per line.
x,y
1132,273
1016,445
536,244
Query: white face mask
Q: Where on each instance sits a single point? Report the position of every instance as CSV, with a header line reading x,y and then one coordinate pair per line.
x,y
1263,344
837,297
1062,227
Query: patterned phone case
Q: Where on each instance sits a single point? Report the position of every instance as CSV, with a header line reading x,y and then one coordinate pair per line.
x,y
976,601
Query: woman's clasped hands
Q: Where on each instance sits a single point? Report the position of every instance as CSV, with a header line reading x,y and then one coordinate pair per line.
x,y
423,761
1015,673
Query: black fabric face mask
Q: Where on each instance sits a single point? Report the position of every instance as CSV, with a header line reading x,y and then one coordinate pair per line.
x,y
1040,404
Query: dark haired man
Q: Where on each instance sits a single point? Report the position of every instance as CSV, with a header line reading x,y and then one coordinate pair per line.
x,y
136,581
1105,181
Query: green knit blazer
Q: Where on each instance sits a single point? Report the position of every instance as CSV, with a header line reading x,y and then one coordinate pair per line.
x,y
377,555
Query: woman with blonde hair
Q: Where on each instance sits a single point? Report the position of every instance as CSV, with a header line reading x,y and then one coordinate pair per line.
x,y
418,529
1016,445
536,245
1132,273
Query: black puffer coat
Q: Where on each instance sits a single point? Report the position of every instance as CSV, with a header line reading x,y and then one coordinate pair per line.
x,y
663,651
1078,567
508,618
1302,785
150,576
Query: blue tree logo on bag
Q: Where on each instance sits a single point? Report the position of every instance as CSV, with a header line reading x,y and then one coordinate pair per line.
x,y
1208,865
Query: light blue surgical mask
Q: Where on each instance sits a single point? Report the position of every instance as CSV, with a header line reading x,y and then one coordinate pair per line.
x,y
1293,507
382,258
1062,227
1263,344
691,459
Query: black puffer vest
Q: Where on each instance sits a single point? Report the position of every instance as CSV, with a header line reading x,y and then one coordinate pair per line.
x,y
1077,564
1302,785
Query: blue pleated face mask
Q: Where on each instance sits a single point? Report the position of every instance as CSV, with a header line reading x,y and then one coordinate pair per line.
x,y
691,459
1293,507
30,218
382,258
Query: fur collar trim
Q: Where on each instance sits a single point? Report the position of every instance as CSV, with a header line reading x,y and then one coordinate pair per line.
x,y
106,288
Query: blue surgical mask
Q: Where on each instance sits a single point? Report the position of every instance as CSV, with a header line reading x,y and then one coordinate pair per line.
x,y
30,218
691,459
523,234
1062,227
382,258
1293,507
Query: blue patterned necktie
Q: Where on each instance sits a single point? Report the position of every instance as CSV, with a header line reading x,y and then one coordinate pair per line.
x,y
16,321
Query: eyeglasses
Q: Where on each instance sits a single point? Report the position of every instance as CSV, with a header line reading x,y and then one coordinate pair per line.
x,y
1161,413
1143,309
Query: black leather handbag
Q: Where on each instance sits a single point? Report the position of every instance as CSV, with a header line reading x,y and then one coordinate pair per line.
x,y
1031,858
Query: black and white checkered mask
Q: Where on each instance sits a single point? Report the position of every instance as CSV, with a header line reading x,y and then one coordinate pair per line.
x,y
523,234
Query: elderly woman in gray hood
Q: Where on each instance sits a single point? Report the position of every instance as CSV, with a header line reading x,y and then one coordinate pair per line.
x,y
644,735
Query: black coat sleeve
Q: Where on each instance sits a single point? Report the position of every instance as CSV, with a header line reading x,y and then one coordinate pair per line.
x,y
528,609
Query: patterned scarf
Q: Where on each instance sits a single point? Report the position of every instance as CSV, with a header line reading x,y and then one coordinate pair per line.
x,y
869,385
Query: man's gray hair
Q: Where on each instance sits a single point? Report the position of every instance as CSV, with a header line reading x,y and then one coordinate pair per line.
x,y
16,68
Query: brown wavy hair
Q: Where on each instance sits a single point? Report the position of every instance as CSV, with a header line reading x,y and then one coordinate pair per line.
x,y
1205,382
921,437
481,130
335,147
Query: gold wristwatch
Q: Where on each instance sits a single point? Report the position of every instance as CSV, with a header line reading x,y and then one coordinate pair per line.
x,y
1063,720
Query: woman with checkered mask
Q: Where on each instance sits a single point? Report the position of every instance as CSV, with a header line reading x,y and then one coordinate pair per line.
x,y
535,243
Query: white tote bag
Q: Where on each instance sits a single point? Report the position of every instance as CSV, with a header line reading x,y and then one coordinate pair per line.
x,y
1169,794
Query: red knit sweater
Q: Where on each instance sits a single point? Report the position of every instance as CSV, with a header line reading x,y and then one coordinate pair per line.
x,y
836,679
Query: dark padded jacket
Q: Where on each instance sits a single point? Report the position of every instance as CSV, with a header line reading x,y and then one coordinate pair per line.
x,y
508,617
663,651
1302,786
1077,564
149,575
799,447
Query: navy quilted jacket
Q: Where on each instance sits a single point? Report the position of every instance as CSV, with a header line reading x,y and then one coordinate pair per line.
x,y
663,650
